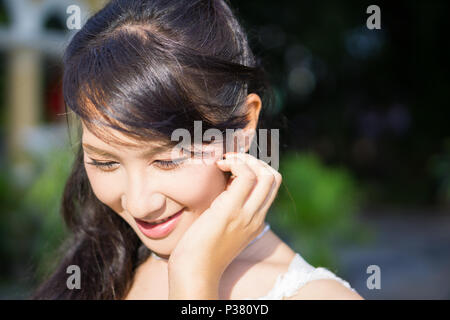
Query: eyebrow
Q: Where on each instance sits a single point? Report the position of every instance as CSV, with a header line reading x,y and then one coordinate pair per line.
x,y
146,154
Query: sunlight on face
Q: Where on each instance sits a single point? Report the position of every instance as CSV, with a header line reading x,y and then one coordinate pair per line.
x,y
150,186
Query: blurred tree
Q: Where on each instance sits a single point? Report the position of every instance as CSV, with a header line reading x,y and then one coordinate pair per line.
x,y
316,207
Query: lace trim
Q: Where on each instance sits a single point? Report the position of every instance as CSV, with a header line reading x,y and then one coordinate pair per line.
x,y
299,273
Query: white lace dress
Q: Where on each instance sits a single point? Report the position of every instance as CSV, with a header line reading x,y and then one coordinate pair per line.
x,y
299,273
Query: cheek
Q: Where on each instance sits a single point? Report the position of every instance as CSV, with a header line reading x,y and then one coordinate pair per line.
x,y
197,186
105,187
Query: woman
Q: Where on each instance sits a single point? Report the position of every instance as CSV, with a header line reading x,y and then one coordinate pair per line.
x,y
134,74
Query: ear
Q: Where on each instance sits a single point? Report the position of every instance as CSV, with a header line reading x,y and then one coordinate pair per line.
x,y
254,105
245,136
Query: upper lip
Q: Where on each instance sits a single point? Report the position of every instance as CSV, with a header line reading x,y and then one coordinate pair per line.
x,y
140,220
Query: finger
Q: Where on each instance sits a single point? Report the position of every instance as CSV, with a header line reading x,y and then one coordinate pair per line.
x,y
264,184
260,194
274,191
261,212
243,182
249,159
265,205
277,175
272,170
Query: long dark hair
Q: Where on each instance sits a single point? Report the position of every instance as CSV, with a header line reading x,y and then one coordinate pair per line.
x,y
144,68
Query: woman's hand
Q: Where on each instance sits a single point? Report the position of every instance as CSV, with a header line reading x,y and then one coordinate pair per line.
x,y
222,231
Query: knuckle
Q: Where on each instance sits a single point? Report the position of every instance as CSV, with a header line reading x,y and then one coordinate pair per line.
x,y
266,172
250,177
258,226
268,178
278,177
252,224
245,212
233,226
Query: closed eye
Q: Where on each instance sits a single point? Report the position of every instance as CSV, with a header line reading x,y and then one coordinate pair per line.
x,y
162,164
170,164
109,166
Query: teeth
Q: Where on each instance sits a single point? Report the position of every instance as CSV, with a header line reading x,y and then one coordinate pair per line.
x,y
160,221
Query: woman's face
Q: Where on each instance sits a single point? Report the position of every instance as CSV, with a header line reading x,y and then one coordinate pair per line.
x,y
138,186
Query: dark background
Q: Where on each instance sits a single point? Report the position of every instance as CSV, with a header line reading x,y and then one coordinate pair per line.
x,y
379,103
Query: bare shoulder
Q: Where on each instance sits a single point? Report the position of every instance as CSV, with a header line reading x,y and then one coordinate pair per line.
x,y
325,289
319,289
257,275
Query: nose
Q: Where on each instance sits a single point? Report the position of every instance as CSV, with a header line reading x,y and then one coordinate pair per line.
x,y
142,200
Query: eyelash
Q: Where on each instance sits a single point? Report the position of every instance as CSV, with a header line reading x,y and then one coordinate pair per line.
x,y
163,164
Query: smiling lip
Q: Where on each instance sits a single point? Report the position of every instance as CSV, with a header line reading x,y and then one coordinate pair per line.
x,y
159,230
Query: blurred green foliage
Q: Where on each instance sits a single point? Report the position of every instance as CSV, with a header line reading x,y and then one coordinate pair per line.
x,y
316,207
4,18
43,201
8,197
31,227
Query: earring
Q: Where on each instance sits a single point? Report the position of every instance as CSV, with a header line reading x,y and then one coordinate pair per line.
x,y
241,150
